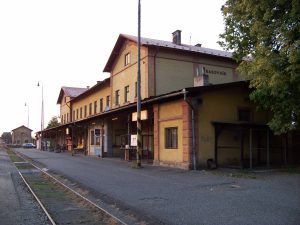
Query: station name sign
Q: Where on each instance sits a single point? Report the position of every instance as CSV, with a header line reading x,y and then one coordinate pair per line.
x,y
213,71
210,70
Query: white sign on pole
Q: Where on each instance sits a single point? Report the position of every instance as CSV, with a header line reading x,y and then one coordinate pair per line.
x,y
133,140
144,115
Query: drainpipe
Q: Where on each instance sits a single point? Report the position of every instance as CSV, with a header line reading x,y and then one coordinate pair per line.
x,y
193,127
154,73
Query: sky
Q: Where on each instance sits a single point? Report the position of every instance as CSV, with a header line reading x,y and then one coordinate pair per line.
x,y
68,42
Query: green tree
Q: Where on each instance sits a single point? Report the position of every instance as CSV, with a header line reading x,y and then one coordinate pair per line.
x,y
53,122
6,137
265,39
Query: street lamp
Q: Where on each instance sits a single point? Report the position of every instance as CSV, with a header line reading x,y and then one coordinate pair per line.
x,y
42,113
27,114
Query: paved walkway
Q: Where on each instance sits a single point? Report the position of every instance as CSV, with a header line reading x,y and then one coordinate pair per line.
x,y
17,205
183,197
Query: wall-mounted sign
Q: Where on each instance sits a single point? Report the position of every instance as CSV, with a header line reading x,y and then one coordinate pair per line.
x,y
144,115
205,74
133,140
201,69
214,71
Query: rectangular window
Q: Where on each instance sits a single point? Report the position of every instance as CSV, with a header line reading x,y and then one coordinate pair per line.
x,y
77,114
80,112
101,104
85,110
67,117
126,93
127,59
73,115
107,101
97,137
90,109
171,137
244,115
135,90
92,137
117,99
95,107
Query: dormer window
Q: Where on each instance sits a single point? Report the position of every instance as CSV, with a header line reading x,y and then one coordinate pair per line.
x,y
127,59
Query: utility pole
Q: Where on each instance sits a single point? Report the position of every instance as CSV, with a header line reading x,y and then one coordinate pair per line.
x,y
139,125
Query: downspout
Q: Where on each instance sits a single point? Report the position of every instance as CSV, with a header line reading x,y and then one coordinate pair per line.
x,y
154,72
193,127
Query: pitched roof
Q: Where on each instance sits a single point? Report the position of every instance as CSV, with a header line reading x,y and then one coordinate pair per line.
x,y
96,87
190,91
21,127
70,92
162,44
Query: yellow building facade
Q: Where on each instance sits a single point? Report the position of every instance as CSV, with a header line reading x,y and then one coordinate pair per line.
x,y
89,134
228,129
197,108
64,100
165,67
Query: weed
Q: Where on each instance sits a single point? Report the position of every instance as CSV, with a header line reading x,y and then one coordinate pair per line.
x,y
13,157
24,166
245,175
291,169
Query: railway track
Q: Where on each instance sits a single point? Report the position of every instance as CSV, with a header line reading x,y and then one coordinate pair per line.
x,y
61,203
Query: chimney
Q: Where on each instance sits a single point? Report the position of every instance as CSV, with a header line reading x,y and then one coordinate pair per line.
x,y
177,37
88,87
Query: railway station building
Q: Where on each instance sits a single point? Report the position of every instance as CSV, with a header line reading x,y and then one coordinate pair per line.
x,y
195,110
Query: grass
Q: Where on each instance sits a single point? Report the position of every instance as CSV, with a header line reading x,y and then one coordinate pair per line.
x,y
44,188
243,174
25,166
13,157
293,169
56,198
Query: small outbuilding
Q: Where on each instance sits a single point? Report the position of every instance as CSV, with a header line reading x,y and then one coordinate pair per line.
x,y
21,135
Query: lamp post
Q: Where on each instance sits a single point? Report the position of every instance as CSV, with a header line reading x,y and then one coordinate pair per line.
x,y
42,113
27,114
138,121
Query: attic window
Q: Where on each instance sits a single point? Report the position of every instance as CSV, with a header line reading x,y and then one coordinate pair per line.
x,y
127,59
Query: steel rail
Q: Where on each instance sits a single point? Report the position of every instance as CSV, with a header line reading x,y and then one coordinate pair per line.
x,y
37,199
75,192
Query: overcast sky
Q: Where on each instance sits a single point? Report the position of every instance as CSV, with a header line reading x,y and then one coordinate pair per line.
x,y
67,43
